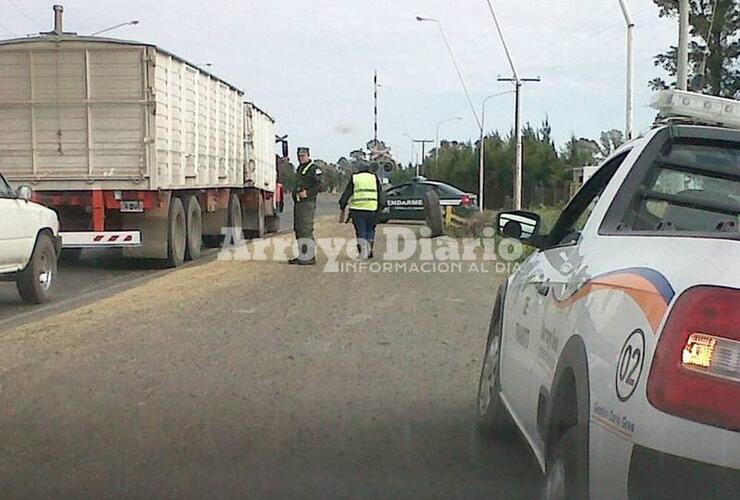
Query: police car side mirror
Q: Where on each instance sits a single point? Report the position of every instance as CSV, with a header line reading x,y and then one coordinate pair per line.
x,y
521,226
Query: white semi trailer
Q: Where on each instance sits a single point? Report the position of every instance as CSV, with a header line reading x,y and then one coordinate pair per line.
x,y
133,146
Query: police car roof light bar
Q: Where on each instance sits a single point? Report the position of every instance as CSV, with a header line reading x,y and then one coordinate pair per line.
x,y
703,108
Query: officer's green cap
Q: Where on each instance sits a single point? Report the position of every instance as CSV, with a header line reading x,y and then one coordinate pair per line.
x,y
304,151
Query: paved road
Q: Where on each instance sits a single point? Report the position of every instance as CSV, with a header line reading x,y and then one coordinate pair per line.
x,y
258,380
101,273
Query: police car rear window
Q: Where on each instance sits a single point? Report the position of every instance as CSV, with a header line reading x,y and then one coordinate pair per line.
x,y
692,188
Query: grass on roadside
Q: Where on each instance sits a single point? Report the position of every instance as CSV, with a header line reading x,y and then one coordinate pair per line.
x,y
477,222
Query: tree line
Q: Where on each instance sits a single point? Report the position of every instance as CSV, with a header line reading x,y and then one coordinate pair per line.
x,y
548,171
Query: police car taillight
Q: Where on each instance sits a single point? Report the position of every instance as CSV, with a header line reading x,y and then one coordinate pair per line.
x,y
466,201
696,369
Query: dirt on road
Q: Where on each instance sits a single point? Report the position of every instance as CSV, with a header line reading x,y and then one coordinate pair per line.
x,y
258,379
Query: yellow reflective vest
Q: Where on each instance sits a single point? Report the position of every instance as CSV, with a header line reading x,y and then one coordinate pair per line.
x,y
365,193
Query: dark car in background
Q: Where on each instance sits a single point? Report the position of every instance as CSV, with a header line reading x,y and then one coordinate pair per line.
x,y
406,201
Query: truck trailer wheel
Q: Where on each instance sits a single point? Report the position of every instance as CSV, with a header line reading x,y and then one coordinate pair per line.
x,y
255,220
234,221
176,233
37,280
194,223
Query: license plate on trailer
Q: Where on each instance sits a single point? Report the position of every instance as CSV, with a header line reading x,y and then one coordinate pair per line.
x,y
132,206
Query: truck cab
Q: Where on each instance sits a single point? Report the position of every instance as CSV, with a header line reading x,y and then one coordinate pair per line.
x,y
29,243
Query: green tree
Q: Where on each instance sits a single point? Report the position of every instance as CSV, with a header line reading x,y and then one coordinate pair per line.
x,y
609,141
578,153
545,176
402,174
714,50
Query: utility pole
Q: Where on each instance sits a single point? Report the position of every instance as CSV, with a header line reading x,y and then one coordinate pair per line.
x,y
628,129
682,72
424,143
518,111
518,168
375,123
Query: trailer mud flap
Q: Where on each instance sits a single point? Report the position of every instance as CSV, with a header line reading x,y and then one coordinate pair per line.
x,y
101,239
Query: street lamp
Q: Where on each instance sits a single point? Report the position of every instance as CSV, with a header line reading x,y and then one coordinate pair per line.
x,y
454,62
628,129
413,148
482,170
436,139
129,23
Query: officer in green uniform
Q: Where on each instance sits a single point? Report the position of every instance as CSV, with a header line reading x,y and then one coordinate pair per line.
x,y
308,186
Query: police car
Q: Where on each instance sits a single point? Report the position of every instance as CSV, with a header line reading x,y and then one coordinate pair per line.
x,y
406,201
615,348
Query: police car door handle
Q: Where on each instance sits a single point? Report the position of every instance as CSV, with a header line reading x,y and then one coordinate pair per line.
x,y
543,289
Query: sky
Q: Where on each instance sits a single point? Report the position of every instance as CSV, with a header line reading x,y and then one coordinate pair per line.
x,y
310,63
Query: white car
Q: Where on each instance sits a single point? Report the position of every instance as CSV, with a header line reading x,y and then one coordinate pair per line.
x,y
615,348
29,243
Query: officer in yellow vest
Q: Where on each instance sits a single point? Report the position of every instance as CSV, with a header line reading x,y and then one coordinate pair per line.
x,y
366,194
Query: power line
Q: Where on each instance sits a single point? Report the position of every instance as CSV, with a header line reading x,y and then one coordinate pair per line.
x,y
398,106
8,30
454,63
547,50
23,13
503,40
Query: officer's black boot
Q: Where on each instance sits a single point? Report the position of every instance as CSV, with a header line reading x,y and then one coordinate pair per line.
x,y
302,255
370,254
296,260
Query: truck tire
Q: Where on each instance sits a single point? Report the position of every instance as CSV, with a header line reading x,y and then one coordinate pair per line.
x,y
234,219
256,223
433,213
194,223
176,233
36,282
272,223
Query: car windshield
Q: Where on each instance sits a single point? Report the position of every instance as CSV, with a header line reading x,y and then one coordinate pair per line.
x,y
5,189
695,188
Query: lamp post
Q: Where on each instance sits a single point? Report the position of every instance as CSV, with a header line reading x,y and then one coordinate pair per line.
x,y
129,23
628,129
413,147
436,139
481,147
682,68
